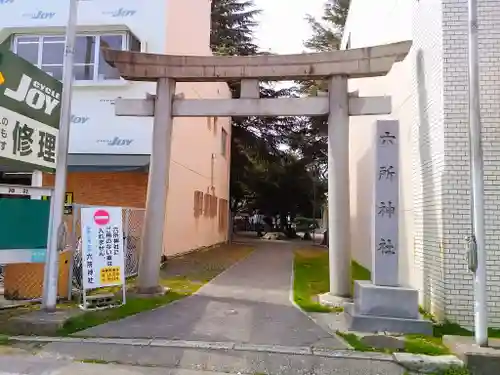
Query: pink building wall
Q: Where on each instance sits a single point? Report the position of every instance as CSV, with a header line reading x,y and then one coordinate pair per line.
x,y
195,141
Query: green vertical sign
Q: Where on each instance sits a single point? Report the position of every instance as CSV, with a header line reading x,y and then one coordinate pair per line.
x,y
30,108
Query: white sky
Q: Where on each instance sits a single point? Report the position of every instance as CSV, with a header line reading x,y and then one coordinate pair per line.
x,y
283,28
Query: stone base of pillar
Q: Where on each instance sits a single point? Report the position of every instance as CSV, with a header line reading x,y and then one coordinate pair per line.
x,y
385,309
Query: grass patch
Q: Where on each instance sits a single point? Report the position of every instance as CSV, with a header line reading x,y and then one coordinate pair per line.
x,y
455,371
358,272
419,344
132,307
5,340
354,341
448,328
184,275
311,278
415,344
95,361
450,371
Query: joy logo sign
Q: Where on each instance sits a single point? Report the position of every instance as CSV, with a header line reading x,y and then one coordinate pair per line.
x,y
35,94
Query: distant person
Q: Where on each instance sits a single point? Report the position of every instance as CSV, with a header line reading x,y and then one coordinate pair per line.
x,y
258,220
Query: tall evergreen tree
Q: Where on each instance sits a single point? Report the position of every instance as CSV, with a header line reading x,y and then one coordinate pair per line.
x,y
233,23
326,36
260,170
232,34
327,32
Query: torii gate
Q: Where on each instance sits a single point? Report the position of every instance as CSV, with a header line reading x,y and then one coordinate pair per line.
x,y
336,67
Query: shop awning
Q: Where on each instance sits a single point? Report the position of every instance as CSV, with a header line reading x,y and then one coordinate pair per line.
x,y
107,162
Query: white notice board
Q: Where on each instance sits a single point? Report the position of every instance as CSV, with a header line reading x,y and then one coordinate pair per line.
x,y
102,247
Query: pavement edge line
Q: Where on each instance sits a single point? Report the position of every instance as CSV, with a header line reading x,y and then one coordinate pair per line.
x,y
203,345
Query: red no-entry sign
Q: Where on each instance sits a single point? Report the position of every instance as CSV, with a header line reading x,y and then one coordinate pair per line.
x,y
101,217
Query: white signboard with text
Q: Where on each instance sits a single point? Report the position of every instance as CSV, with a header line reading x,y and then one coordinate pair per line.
x,y
27,140
102,247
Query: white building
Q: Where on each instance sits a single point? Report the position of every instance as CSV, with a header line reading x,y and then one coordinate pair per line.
x,y
109,155
430,98
36,33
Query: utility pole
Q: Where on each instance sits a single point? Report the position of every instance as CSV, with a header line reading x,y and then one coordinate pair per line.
x,y
49,299
477,251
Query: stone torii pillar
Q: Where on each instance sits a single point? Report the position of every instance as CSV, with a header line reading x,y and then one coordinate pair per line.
x,y
337,67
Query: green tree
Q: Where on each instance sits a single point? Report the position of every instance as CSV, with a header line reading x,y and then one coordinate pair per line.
x,y
286,188
232,34
233,22
327,32
305,137
262,174
326,36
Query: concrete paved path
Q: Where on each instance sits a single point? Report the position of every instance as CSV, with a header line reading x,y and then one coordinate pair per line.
x,y
249,303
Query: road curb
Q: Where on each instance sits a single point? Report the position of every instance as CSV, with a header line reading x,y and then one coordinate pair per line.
x,y
425,364
205,345
419,363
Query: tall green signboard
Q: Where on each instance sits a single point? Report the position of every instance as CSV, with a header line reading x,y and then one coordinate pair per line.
x,y
30,107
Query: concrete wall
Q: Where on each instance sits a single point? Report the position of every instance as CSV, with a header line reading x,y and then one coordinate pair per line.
x,y
459,300
430,93
416,89
195,140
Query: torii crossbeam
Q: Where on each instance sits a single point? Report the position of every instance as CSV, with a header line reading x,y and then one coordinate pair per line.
x,y
335,67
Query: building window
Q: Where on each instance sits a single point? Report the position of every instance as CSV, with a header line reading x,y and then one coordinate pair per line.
x,y
223,142
47,52
223,215
198,203
215,122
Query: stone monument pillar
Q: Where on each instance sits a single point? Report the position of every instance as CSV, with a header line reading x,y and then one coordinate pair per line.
x,y
385,257
382,305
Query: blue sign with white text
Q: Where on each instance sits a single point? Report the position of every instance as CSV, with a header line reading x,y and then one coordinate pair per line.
x,y
38,255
